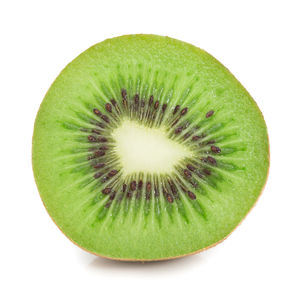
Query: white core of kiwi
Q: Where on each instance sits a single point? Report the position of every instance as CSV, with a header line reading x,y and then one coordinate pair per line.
x,y
147,150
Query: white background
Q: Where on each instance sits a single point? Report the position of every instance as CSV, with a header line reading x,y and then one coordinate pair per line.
x,y
258,41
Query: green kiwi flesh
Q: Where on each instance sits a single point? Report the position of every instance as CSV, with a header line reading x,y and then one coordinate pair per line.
x,y
147,148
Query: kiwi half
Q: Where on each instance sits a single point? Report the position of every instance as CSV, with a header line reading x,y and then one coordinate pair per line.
x,y
147,148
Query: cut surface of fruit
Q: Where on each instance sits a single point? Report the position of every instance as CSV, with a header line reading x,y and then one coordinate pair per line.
x,y
147,148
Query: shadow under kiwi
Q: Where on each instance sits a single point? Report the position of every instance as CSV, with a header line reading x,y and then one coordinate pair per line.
x,y
186,262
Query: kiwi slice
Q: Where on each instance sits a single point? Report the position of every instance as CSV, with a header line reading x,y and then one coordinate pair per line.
x,y
147,148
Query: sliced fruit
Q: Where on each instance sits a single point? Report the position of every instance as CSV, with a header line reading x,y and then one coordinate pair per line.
x,y
147,148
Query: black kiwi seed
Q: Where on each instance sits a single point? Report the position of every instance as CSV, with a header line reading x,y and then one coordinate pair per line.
x,y
108,204
176,109
108,107
99,153
105,118
133,185
98,175
190,167
207,171
104,148
96,131
184,111
151,100
148,187
173,188
211,160
106,191
178,130
210,142
91,138
99,165
196,138
124,94
148,190
169,198
97,112
187,173
191,195
112,195
215,149
140,184
124,97
112,173
209,114
187,135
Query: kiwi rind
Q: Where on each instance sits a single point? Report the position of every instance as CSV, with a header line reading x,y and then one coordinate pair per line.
x,y
213,87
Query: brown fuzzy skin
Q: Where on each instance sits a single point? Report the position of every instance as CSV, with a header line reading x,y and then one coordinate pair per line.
x,y
188,254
